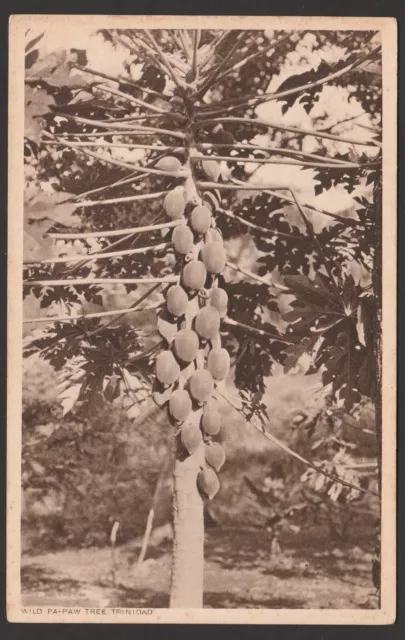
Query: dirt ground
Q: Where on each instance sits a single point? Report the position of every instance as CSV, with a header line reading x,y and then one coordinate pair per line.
x,y
311,572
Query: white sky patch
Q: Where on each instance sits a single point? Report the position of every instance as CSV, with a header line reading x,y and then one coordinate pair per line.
x,y
128,155
101,54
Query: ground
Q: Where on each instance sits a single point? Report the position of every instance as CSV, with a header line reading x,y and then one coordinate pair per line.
x,y
311,572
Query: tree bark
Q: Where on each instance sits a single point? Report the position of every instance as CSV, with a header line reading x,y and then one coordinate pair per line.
x,y
188,533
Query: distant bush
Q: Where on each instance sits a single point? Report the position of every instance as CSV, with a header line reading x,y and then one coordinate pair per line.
x,y
80,475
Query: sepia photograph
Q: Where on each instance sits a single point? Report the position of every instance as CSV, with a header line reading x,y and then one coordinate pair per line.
x,y
202,320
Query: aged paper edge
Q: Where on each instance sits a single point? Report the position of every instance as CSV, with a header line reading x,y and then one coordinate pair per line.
x,y
386,614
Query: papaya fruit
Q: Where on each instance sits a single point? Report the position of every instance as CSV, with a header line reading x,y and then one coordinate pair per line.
x,y
180,405
219,300
208,483
218,363
214,235
175,203
182,239
207,323
194,275
201,385
191,438
211,169
213,255
168,163
200,219
167,369
176,301
214,455
186,345
211,419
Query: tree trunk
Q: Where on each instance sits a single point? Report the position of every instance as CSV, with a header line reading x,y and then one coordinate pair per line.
x,y
188,533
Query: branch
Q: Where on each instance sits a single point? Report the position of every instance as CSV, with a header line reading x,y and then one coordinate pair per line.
x,y
247,186
253,276
339,122
140,103
95,134
261,332
88,316
257,54
115,232
132,178
212,78
181,43
166,61
319,165
145,49
275,150
145,116
118,145
120,163
93,281
296,455
117,244
256,227
214,45
270,125
125,312
100,256
122,80
118,183
194,65
141,196
121,127
267,97
317,244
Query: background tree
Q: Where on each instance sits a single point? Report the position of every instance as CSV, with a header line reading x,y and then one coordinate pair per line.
x,y
190,119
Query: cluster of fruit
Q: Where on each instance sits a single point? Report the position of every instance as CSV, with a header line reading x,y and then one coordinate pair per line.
x,y
195,363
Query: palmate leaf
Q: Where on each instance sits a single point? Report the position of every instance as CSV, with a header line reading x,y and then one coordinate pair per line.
x,y
89,359
41,212
56,70
254,354
325,326
341,364
38,104
310,96
294,352
316,306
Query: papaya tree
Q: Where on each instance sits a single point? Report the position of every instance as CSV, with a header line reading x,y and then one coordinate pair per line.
x,y
177,155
